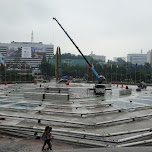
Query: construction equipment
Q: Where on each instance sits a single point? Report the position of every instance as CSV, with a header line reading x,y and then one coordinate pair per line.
x,y
98,77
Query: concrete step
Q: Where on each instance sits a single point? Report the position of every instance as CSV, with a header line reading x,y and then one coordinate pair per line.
x,y
125,149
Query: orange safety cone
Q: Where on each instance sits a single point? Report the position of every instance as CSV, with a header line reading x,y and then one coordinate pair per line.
x,y
67,83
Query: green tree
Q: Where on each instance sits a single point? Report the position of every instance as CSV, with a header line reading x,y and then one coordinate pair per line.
x,y
44,59
46,70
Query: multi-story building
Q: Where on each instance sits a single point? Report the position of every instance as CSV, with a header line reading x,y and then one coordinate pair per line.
x,y
26,52
98,57
140,59
115,58
71,62
149,57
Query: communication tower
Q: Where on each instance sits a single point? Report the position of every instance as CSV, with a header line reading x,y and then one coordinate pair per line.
x,y
32,37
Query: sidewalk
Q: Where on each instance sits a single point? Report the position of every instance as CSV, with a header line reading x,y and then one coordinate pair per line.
x,y
16,144
13,144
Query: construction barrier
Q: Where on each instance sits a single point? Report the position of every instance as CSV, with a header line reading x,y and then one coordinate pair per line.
x,y
125,91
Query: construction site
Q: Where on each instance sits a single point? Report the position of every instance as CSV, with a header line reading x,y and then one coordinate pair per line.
x,y
83,116
79,118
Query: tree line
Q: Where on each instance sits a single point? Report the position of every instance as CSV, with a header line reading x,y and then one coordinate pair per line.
x,y
119,71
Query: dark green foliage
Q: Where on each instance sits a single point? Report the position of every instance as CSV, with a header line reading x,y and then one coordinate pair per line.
x,y
46,69
118,72
44,59
13,76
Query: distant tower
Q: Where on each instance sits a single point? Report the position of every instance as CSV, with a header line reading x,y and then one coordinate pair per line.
x,y
32,38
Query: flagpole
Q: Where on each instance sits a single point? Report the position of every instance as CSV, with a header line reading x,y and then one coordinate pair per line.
x,y
135,74
151,72
126,71
111,73
5,74
145,74
92,76
10,72
0,72
25,72
20,72
106,72
121,72
140,73
10,75
87,74
116,74
5,71
29,72
130,74
14,72
106,75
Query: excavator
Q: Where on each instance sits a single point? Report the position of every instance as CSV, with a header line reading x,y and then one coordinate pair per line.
x,y
99,87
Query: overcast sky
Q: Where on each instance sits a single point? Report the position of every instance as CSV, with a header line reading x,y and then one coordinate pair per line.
x,y
112,28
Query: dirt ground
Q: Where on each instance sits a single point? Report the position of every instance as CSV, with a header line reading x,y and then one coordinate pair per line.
x,y
16,144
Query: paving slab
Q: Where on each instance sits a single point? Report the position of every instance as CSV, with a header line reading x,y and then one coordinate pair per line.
x,y
81,102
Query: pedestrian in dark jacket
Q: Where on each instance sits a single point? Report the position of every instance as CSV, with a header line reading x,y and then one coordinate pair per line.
x,y
48,137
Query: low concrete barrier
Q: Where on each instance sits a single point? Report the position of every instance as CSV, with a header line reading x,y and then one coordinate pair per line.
x,y
40,96
57,90
125,91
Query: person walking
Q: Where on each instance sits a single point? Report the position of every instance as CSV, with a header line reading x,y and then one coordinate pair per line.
x,y
47,138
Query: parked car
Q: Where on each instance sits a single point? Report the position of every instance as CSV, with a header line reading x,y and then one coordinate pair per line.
x,y
63,81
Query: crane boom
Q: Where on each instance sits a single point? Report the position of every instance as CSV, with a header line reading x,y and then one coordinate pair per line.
x,y
98,77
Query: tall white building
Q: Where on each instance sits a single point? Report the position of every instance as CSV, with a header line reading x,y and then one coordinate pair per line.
x,y
149,57
26,52
137,58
